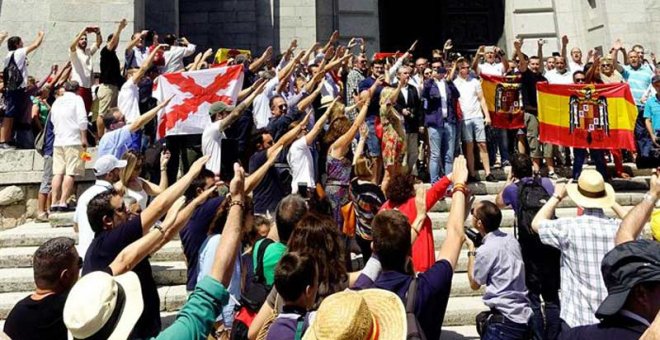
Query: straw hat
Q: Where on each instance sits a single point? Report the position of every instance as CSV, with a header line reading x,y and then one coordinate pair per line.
x,y
326,101
365,314
103,305
591,191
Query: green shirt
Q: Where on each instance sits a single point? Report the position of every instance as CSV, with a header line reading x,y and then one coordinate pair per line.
x,y
272,255
196,319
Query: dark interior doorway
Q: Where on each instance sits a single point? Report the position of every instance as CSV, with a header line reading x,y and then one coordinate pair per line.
x,y
469,23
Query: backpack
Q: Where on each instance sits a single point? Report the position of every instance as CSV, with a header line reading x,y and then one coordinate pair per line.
x,y
415,331
531,197
12,75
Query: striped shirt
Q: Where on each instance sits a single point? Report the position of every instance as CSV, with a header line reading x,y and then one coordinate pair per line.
x,y
639,80
583,242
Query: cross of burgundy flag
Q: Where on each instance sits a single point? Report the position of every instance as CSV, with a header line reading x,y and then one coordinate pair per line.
x,y
194,92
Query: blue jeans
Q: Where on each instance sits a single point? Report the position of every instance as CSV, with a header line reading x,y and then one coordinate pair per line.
x,y
441,145
642,137
598,156
507,330
373,143
498,138
548,327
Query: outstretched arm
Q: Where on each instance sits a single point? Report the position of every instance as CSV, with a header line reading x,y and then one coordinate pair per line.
x,y
112,45
344,142
539,50
451,248
141,121
310,137
288,137
36,43
238,110
475,60
522,63
74,43
255,178
634,222
259,62
146,64
564,44
307,101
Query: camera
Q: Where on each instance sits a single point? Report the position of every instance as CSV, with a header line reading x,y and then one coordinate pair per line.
x,y
474,236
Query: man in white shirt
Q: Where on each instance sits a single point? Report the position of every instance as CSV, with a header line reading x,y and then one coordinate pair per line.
x,y
69,120
561,74
475,118
575,62
81,62
223,115
175,54
490,66
16,97
300,157
106,169
549,65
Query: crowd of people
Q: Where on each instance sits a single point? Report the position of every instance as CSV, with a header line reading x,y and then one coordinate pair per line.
x,y
301,208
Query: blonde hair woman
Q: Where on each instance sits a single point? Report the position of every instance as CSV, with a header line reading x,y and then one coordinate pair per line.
x,y
394,136
138,187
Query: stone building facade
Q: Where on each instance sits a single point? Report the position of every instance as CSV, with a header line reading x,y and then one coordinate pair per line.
x,y
385,24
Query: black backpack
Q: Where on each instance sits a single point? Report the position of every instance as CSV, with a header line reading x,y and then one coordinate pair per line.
x,y
12,75
415,331
531,198
255,296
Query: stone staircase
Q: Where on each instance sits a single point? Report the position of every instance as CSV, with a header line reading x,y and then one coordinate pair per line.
x,y
17,246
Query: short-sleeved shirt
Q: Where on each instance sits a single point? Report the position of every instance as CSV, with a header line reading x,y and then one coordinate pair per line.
x,y
128,101
583,242
194,234
639,80
529,80
433,288
494,69
469,99
302,164
117,142
81,65
272,255
285,325
652,111
212,145
261,104
555,77
510,193
500,267
104,249
374,107
269,192
110,68
30,319
85,232
20,58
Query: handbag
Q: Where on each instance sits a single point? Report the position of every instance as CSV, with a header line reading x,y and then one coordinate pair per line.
x,y
40,140
348,213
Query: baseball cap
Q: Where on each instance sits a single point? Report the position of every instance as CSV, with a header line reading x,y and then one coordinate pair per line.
x,y
107,163
218,107
655,79
624,267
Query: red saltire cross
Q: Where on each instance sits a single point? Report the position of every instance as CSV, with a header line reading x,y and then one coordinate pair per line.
x,y
200,95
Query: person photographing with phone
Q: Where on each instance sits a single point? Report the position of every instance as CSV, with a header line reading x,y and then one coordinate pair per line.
x,y
82,68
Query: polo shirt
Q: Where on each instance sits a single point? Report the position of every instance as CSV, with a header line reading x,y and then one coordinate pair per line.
x,y
433,288
117,142
652,111
499,265
529,80
85,232
269,192
69,117
272,255
104,249
194,234
510,193
639,80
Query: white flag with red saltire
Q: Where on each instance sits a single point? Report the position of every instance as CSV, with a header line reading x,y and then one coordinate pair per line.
x,y
194,92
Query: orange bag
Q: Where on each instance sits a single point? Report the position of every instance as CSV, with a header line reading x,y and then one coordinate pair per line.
x,y
348,213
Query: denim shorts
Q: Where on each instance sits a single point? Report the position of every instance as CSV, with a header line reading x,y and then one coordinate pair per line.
x,y
474,130
373,143
16,103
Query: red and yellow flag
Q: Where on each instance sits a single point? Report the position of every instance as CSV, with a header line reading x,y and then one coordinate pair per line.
x,y
504,98
598,116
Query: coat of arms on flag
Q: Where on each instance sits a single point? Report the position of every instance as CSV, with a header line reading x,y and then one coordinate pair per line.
x,y
504,99
597,116
194,92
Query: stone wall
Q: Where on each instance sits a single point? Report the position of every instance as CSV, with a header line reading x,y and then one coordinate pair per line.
x,y
61,20
22,170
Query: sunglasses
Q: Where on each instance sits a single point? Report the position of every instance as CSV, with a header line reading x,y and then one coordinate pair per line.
x,y
606,65
464,67
579,80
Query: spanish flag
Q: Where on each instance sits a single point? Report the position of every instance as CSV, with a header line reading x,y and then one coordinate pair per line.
x,y
596,116
225,53
504,98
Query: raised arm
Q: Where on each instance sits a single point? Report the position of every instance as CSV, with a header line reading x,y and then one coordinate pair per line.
x,y
3,36
288,137
307,101
310,137
451,248
142,120
420,205
522,63
152,189
634,222
112,45
99,39
135,40
288,69
539,50
74,43
564,44
364,132
477,57
548,210
164,201
146,64
310,52
36,43
255,178
264,58
591,74
238,110
343,143
504,59
333,38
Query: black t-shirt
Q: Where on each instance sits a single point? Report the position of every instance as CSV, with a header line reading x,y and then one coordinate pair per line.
x,y
194,234
42,319
529,80
104,249
269,192
110,68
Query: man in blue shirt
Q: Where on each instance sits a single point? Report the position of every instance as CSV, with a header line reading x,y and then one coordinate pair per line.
x,y
638,77
652,112
498,264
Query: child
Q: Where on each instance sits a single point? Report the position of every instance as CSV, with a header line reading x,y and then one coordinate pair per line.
x,y
296,281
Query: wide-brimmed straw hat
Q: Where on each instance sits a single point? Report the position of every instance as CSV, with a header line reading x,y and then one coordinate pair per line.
x,y
591,191
365,314
104,306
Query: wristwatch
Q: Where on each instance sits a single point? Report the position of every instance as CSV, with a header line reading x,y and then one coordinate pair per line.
x,y
472,253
